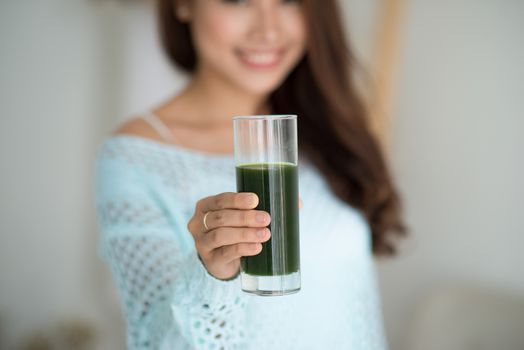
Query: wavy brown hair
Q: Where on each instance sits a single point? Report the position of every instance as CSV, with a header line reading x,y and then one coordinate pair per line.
x,y
333,129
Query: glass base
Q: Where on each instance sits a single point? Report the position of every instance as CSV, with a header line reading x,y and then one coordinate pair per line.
x,y
270,285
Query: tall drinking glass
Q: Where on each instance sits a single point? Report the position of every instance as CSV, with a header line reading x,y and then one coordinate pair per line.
x,y
266,158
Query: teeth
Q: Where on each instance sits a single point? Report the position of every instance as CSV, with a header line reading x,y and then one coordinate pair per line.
x,y
261,58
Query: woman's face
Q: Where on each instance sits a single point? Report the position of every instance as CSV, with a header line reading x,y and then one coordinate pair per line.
x,y
252,44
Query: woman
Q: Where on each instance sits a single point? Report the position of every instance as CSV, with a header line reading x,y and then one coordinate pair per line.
x,y
160,173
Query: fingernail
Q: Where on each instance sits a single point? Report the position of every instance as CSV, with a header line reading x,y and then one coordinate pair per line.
x,y
261,217
261,233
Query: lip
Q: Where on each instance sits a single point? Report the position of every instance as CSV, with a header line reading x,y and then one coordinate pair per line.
x,y
258,59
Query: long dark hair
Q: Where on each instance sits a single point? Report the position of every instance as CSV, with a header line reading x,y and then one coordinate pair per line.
x,y
333,129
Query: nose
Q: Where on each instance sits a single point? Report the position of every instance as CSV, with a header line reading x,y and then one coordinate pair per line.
x,y
266,25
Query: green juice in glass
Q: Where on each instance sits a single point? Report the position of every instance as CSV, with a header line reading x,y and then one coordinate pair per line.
x,y
276,185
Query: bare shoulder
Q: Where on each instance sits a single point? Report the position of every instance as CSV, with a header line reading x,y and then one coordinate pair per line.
x,y
136,127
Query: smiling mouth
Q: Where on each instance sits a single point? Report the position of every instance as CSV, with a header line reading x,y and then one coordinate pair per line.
x,y
261,58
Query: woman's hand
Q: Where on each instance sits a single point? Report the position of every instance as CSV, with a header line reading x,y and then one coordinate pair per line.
x,y
234,229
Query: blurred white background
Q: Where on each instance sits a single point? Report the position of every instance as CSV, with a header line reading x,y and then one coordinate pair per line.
x,y
70,70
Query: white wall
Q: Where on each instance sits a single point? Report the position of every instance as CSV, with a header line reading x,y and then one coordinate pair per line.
x,y
50,102
145,76
458,147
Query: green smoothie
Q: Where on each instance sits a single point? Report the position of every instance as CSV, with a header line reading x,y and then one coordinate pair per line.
x,y
276,185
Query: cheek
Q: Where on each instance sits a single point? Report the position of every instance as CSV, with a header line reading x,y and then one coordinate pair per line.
x,y
216,32
296,31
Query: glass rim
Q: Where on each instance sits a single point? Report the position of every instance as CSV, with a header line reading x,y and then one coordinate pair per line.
x,y
265,117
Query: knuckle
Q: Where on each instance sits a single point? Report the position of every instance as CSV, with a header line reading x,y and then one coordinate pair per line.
x,y
220,218
232,197
198,204
246,235
246,218
190,225
218,201
215,238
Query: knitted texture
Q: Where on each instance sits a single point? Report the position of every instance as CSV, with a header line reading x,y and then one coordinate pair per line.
x,y
146,193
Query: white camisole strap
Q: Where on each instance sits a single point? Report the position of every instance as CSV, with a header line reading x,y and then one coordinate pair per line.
x,y
159,126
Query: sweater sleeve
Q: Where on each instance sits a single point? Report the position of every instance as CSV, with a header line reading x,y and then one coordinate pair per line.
x,y
167,295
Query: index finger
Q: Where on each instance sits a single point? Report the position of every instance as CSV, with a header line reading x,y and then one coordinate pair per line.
x,y
228,200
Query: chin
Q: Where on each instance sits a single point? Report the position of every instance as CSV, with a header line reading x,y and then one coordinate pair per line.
x,y
261,91
261,87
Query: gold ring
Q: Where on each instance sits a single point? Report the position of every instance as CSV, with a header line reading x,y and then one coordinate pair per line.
x,y
204,220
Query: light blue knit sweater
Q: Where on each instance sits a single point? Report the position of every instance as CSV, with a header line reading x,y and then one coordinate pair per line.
x,y
146,193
